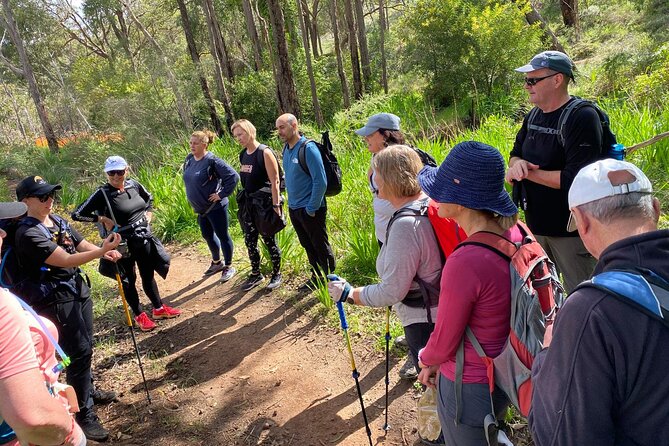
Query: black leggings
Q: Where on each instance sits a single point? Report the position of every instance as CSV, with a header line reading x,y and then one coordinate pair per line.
x,y
251,240
140,254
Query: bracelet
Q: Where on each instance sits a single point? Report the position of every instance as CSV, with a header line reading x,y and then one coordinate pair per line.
x,y
70,436
276,205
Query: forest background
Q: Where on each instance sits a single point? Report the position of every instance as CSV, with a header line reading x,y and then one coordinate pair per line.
x,y
82,81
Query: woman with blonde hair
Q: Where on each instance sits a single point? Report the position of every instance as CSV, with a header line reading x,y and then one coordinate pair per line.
x,y
260,202
409,259
209,182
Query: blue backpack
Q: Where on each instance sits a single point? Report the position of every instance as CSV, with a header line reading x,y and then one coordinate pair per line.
x,y
641,288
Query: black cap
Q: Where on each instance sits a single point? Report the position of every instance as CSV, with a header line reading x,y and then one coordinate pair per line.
x,y
33,186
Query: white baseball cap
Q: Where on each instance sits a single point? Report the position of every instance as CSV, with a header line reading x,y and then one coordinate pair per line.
x,y
115,162
605,178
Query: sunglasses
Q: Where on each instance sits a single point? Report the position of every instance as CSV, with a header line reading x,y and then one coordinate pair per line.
x,y
118,173
44,198
531,81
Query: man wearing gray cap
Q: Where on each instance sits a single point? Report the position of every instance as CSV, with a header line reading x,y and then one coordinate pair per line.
x,y
601,378
542,165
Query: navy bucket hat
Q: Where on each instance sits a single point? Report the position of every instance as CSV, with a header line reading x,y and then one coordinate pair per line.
x,y
472,175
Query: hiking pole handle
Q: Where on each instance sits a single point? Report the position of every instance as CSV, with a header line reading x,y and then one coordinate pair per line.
x,y
340,305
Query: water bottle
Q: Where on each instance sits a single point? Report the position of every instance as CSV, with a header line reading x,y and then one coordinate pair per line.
x,y
617,151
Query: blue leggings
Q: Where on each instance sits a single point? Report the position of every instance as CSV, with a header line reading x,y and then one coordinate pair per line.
x,y
214,229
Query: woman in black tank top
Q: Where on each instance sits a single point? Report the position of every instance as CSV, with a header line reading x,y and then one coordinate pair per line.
x,y
259,176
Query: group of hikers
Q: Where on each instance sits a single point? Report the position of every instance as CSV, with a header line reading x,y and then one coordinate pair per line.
x,y
448,237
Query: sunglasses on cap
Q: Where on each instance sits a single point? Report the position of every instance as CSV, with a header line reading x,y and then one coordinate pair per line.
x,y
43,198
531,81
118,173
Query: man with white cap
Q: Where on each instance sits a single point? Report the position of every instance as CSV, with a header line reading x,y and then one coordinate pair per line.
x,y
602,380
542,164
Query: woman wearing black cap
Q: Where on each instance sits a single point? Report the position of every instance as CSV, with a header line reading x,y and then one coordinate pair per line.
x,y
50,253
124,206
469,187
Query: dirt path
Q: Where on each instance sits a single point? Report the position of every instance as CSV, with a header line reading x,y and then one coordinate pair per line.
x,y
246,369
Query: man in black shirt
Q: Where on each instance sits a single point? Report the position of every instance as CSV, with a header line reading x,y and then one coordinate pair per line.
x,y
50,253
544,167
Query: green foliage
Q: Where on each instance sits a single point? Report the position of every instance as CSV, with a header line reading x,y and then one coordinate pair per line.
x,y
653,86
255,100
467,48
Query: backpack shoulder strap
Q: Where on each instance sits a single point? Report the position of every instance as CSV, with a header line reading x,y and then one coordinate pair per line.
x,y
402,212
642,289
574,105
498,244
302,156
537,128
187,161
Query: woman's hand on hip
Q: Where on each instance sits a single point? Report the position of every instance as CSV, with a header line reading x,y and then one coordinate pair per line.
x,y
214,198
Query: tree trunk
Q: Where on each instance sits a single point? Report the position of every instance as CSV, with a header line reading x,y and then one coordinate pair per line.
x,y
569,9
195,57
218,51
311,25
310,71
532,17
180,102
16,110
362,43
353,47
382,44
285,83
253,34
337,48
10,25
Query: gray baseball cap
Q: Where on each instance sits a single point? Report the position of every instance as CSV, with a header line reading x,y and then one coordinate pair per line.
x,y
553,60
386,121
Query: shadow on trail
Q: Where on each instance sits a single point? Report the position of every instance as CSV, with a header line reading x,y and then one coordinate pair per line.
x,y
180,297
321,423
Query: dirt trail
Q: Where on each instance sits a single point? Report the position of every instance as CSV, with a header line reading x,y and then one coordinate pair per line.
x,y
246,369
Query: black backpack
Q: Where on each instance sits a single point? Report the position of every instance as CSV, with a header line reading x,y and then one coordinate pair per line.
x,y
282,177
426,158
610,147
10,268
333,173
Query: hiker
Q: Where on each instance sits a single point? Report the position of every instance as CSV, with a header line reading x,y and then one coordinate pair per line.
x,y
124,206
544,168
306,198
409,258
50,253
380,131
469,188
34,414
259,201
602,376
209,182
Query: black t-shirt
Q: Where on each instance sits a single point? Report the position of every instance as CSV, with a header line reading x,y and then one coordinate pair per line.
x,y
253,173
547,210
33,247
129,206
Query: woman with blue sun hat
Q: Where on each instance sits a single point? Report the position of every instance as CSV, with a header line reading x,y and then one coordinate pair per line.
x,y
469,188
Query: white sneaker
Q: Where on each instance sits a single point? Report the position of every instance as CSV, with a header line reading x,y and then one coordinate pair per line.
x,y
228,272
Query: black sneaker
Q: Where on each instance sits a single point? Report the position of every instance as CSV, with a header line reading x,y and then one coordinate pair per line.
x,y
274,282
213,269
104,396
252,282
93,429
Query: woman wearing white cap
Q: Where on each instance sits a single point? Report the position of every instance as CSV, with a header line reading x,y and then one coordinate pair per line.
x,y
124,206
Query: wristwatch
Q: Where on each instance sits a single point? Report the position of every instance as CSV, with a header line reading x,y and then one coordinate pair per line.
x,y
350,301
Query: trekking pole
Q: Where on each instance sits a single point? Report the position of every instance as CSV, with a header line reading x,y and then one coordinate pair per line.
x,y
132,330
386,426
355,373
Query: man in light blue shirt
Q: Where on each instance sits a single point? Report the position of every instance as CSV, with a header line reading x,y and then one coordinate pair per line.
x,y
306,196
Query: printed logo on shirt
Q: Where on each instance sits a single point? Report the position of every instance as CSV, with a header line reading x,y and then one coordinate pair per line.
x,y
246,168
295,161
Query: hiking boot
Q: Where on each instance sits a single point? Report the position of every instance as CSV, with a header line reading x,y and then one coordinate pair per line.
x,y
104,396
227,272
253,281
144,323
93,429
408,370
165,312
213,269
274,282
401,341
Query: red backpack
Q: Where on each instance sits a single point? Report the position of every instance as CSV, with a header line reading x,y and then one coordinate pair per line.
x,y
536,295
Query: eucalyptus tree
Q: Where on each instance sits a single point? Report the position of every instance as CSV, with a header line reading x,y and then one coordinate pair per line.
x,y
310,71
283,74
337,47
353,48
221,58
362,44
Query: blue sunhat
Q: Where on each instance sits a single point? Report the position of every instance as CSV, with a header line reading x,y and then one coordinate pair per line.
x,y
472,175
